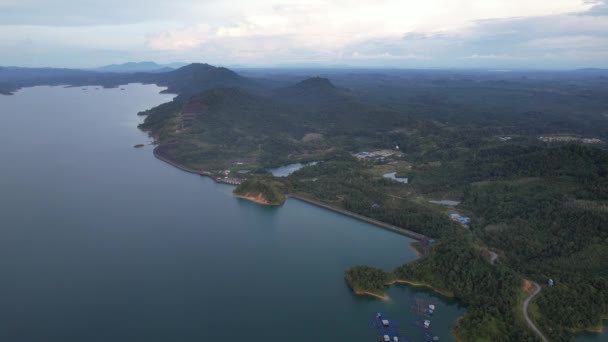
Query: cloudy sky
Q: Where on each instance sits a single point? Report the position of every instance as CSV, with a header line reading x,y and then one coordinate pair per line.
x,y
367,33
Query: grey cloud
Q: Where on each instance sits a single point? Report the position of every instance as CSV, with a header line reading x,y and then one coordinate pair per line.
x,y
560,41
600,8
92,12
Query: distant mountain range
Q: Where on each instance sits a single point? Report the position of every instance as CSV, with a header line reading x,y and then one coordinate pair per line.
x,y
131,67
186,80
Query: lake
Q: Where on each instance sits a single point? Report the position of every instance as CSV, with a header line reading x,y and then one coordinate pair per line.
x,y
593,337
100,241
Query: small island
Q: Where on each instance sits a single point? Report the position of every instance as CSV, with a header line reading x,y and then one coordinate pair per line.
x,y
261,190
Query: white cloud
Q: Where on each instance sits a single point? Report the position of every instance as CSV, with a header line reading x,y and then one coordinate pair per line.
x,y
387,56
395,32
570,42
489,57
335,24
180,39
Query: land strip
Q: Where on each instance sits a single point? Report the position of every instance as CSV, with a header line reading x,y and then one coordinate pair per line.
x,y
160,152
387,226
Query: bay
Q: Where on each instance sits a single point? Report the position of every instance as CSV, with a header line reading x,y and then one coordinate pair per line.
x,y
100,241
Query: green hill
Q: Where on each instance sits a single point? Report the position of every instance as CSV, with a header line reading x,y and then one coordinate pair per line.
x,y
196,77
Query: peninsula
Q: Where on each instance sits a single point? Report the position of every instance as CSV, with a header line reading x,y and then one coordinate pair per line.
x,y
264,191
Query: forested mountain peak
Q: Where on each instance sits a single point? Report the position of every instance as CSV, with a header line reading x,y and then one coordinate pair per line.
x,y
316,83
312,92
197,77
205,71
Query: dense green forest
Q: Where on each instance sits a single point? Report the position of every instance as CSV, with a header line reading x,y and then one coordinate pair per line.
x,y
552,224
347,183
543,208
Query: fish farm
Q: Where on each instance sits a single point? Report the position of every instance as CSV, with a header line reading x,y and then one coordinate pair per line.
x,y
387,328
390,331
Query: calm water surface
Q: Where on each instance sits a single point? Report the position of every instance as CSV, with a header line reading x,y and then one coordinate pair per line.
x,y
592,337
102,242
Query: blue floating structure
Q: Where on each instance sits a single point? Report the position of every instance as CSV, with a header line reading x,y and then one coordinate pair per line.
x,y
422,323
423,307
429,336
386,327
464,220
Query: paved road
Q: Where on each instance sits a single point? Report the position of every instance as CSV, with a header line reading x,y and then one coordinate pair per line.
x,y
525,308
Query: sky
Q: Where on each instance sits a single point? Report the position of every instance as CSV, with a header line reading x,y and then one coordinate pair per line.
x,y
547,34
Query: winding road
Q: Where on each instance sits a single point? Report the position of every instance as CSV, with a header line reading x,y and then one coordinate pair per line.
x,y
527,301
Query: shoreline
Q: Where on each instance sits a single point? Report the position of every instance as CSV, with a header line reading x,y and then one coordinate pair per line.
x,y
387,226
256,199
406,282
402,231
594,330
416,249
367,293
414,284
158,153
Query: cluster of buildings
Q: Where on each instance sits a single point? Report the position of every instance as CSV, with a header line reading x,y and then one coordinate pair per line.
x,y
222,177
376,155
463,220
592,141
550,139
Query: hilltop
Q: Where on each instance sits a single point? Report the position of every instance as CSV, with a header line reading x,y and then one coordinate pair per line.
x,y
197,77
268,129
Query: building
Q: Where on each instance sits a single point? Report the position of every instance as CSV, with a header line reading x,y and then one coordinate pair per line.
x,y
463,220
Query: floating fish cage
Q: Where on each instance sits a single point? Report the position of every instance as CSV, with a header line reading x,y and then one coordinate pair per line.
x,y
422,323
381,322
430,337
388,338
423,307
387,328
